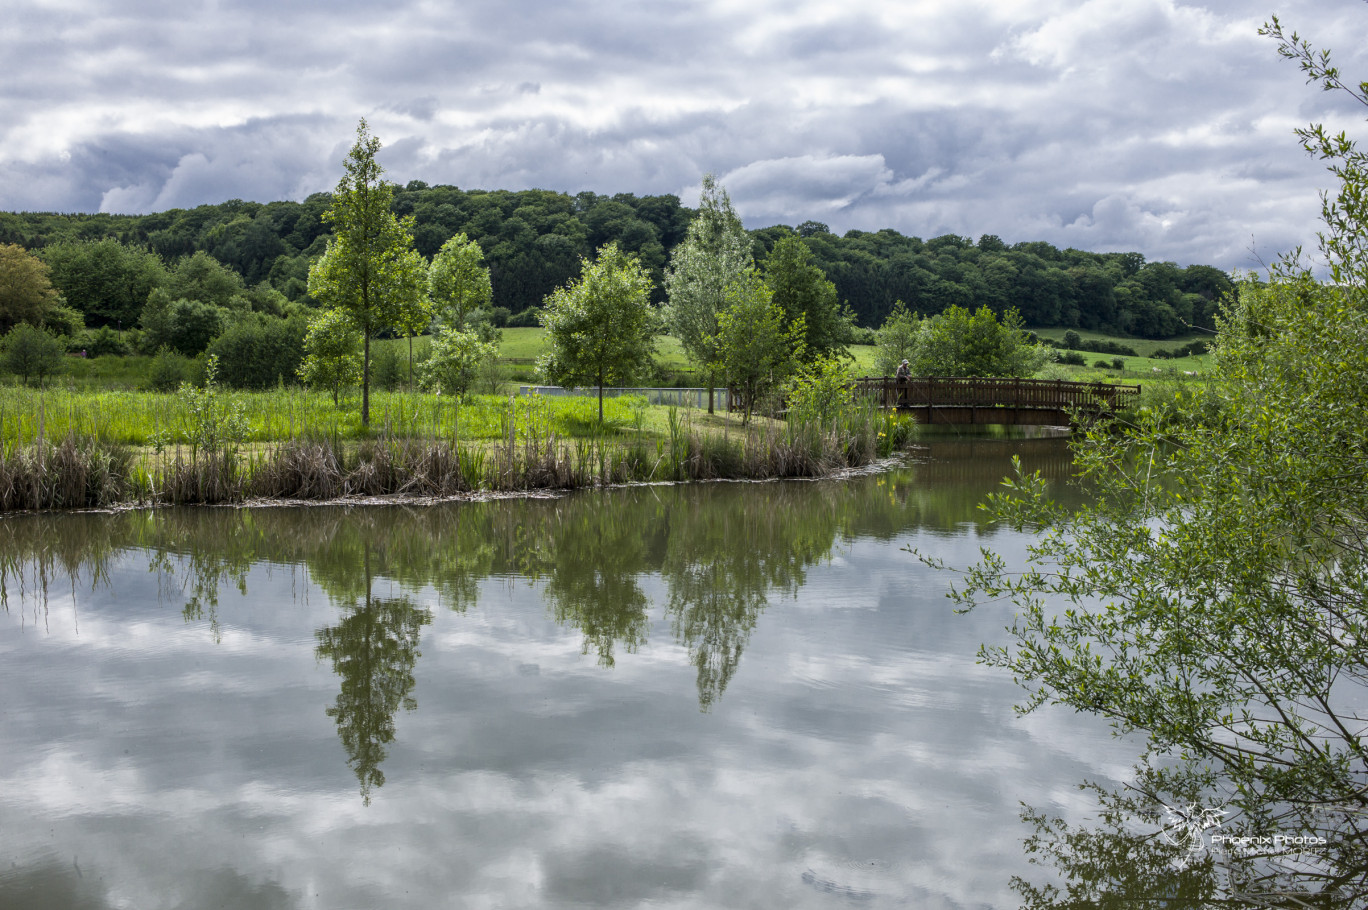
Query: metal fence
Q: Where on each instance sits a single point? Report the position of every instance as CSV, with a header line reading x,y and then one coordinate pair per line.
x,y
685,398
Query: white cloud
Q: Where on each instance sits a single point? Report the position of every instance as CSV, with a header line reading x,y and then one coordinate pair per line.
x,y
924,117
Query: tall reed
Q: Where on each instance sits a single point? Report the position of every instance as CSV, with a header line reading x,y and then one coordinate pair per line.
x,y
421,452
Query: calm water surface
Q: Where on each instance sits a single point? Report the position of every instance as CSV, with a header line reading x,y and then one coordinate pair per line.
x,y
726,695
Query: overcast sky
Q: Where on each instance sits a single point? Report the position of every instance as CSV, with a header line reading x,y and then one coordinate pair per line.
x,y
1149,125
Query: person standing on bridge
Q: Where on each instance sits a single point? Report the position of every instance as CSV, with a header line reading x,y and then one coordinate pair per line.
x,y
901,377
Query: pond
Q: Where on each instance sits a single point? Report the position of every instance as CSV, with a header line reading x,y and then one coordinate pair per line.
x,y
716,695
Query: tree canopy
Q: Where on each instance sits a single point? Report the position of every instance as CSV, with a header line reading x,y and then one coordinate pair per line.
x,y
715,253
758,346
960,343
532,241
26,294
802,291
601,327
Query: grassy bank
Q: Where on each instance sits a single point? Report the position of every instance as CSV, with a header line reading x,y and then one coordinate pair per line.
x,y
88,450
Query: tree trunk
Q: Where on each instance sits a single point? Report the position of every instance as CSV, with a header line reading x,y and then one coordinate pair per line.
x,y
365,385
712,381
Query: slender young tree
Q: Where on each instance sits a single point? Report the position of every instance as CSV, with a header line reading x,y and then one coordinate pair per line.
x,y
332,352
601,326
715,254
757,347
458,282
370,270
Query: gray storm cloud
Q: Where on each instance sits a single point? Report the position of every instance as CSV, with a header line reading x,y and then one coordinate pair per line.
x,y
1149,125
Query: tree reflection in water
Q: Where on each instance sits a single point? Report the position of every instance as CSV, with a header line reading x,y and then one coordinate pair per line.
x,y
374,650
1143,854
722,552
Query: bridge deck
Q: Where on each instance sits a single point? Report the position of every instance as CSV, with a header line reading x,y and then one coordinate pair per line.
x,y
1020,402
997,401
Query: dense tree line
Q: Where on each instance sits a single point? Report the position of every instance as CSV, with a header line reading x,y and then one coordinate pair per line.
x,y
533,241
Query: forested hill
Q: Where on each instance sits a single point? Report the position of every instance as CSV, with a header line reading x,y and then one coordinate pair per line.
x,y
533,240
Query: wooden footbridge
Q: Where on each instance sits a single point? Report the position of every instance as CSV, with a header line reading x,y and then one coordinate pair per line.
x,y
1014,402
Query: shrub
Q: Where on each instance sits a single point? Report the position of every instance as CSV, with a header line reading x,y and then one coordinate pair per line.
x,y
184,326
332,353
527,319
820,393
102,341
259,352
457,360
1118,364
1071,357
167,372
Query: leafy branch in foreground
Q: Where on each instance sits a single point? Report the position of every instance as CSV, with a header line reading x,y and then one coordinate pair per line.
x,y
1211,597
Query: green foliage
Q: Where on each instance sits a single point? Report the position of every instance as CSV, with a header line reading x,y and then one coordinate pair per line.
x,y
896,340
202,278
533,240
715,253
259,352
387,369
185,326
960,343
457,360
758,349
106,281
1210,599
370,269
216,424
802,290
26,294
32,354
821,392
103,342
601,327
167,372
332,353
458,282
64,321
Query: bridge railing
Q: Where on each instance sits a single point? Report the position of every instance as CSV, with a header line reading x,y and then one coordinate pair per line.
x,y
938,391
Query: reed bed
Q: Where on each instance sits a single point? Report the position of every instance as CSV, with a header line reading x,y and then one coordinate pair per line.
x,y
422,449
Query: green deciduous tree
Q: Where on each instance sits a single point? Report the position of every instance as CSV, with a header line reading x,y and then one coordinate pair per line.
x,y
758,348
960,343
802,290
26,294
715,253
601,326
332,353
458,282
896,340
457,359
370,269
106,281
1211,599
259,352
31,353
184,326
